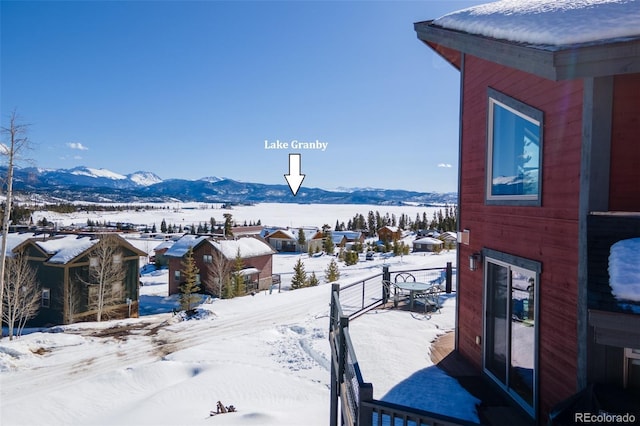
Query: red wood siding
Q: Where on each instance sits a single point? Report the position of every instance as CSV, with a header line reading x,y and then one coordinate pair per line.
x,y
547,234
624,192
263,263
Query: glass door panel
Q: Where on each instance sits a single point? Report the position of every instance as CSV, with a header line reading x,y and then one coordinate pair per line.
x,y
497,323
510,329
522,357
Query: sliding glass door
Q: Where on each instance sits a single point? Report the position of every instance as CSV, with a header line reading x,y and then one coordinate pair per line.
x,y
510,326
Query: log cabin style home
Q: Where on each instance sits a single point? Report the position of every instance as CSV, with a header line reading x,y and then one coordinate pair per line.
x,y
549,196
63,266
216,258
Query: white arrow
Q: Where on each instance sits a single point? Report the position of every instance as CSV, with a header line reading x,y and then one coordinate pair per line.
x,y
294,178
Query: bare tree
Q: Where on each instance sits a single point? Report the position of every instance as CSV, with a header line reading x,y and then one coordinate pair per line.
x,y
14,141
106,275
220,271
21,298
74,301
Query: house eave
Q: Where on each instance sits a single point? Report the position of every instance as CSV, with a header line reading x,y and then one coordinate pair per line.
x,y
607,57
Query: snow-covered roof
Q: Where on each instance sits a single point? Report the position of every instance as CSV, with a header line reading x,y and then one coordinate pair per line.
x,y
181,247
351,235
64,249
249,247
164,245
449,235
624,270
286,232
548,22
249,271
14,239
391,228
293,233
428,240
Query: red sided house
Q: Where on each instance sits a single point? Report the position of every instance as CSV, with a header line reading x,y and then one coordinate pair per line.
x,y
549,186
216,258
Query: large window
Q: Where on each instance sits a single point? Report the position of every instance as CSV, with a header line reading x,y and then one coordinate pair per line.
x,y
514,151
510,350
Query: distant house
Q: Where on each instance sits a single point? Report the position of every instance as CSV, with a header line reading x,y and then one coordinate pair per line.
x,y
449,238
215,257
549,184
286,240
389,233
345,238
427,233
427,244
243,231
63,264
159,253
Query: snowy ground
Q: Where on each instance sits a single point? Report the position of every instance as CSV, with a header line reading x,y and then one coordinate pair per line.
x,y
269,214
268,355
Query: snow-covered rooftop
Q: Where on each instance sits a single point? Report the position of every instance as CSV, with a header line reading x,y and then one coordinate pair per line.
x,y
14,240
181,247
66,248
248,246
428,240
549,22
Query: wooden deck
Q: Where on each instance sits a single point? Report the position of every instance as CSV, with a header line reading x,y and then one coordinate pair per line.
x,y
495,409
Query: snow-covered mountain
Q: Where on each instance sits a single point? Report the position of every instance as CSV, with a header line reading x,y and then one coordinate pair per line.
x,y
100,185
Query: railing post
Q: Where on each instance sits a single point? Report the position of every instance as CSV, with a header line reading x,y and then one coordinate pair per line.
x,y
449,278
365,414
386,276
335,384
343,356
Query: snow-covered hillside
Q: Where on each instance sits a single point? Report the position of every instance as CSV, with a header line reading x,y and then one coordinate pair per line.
x,y
267,355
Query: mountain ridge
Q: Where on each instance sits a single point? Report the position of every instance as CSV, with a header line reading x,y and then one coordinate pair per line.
x,y
102,185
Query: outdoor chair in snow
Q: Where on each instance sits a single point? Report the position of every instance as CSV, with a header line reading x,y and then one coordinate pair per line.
x,y
393,292
431,299
403,277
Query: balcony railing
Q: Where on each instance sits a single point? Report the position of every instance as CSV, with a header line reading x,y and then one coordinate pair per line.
x,y
352,401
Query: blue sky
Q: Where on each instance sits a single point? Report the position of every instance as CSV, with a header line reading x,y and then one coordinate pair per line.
x,y
193,89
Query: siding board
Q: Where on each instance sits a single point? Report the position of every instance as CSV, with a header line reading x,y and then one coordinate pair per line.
x,y
547,234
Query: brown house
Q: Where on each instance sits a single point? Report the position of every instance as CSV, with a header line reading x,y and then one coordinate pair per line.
x,y
216,258
389,233
63,265
548,136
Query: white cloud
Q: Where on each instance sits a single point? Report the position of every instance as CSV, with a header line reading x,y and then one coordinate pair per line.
x,y
77,145
445,165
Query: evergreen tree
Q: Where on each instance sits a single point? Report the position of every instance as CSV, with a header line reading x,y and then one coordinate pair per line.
x,y
189,288
328,244
163,226
228,224
301,238
313,280
238,278
371,224
332,273
350,257
299,279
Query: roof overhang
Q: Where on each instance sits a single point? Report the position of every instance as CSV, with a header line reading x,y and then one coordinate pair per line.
x,y
608,57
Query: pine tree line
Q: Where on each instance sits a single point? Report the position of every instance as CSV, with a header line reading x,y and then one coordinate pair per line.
x,y
443,220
